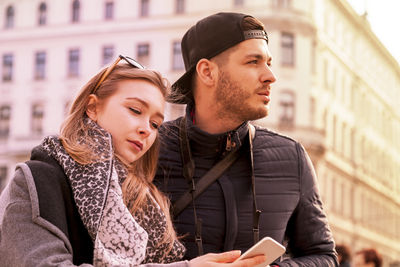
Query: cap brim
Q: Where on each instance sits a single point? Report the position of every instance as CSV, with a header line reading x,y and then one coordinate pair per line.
x,y
181,91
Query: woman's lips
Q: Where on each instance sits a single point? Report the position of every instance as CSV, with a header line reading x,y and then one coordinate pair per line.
x,y
137,145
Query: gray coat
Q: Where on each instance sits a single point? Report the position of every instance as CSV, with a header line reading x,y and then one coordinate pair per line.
x,y
57,212
27,239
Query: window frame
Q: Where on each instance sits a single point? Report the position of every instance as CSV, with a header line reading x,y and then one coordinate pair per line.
x,y
7,67
75,11
180,6
287,108
3,177
37,117
73,62
42,14
109,10
238,3
144,9
288,47
5,119
106,56
10,17
177,58
40,65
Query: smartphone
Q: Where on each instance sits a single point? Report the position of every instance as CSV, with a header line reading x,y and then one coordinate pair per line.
x,y
267,246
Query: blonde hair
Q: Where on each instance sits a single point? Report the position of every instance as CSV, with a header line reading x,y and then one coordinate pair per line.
x,y
137,189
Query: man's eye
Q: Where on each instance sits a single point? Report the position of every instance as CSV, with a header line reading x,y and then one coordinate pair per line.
x,y
136,111
253,62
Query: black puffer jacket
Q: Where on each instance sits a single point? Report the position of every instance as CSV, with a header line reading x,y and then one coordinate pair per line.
x,y
286,193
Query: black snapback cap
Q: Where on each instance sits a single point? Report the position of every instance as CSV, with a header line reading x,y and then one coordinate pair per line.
x,y
208,38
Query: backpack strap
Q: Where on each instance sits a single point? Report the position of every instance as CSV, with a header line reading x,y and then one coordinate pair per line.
x,y
207,179
195,189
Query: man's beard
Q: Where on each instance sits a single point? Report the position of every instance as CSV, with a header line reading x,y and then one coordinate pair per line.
x,y
233,101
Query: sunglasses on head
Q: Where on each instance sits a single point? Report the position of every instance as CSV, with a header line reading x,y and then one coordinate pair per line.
x,y
129,60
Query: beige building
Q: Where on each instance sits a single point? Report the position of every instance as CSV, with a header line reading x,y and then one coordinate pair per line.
x,y
336,91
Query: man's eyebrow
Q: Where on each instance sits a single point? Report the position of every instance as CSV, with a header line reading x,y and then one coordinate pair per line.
x,y
258,56
144,103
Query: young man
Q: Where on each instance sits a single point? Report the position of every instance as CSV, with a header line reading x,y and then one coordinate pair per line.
x,y
270,188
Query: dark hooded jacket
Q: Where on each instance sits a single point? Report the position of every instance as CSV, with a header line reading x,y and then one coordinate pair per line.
x,y
286,193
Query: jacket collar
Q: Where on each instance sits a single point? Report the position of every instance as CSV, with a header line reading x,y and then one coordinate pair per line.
x,y
203,143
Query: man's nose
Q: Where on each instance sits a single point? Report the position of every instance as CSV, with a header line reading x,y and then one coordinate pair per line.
x,y
268,75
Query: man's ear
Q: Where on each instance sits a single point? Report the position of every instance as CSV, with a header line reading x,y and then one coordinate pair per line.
x,y
207,71
91,109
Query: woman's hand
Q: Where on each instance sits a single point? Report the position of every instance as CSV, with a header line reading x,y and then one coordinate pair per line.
x,y
225,259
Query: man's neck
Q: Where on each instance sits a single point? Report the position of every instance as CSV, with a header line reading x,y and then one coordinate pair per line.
x,y
208,121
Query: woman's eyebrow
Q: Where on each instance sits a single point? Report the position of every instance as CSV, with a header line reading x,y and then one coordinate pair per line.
x,y
144,103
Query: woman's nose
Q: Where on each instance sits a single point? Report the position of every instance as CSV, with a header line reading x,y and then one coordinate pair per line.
x,y
144,130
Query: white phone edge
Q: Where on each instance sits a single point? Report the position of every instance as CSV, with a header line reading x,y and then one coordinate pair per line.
x,y
267,246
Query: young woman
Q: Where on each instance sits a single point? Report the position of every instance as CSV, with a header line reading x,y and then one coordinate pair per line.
x,y
86,196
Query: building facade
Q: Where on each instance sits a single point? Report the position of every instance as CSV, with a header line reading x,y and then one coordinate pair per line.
x,y
336,91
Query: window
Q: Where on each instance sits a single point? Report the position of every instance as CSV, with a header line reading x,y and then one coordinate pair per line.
x,y
5,115
75,11
42,14
238,3
144,8
109,11
40,65
282,3
343,139
37,119
143,54
332,84
312,112
353,145
9,23
177,60
287,109
73,63
3,177
287,46
334,137
7,74
313,57
179,6
108,54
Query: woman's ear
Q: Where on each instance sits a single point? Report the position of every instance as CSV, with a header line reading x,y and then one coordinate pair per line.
x,y
91,109
207,71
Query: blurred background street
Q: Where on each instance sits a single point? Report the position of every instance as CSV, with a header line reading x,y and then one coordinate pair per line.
x,y
337,89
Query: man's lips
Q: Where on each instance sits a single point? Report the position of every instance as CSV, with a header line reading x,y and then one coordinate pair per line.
x,y
137,145
265,96
264,92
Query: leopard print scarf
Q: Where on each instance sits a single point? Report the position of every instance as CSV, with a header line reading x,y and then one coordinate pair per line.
x,y
119,237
